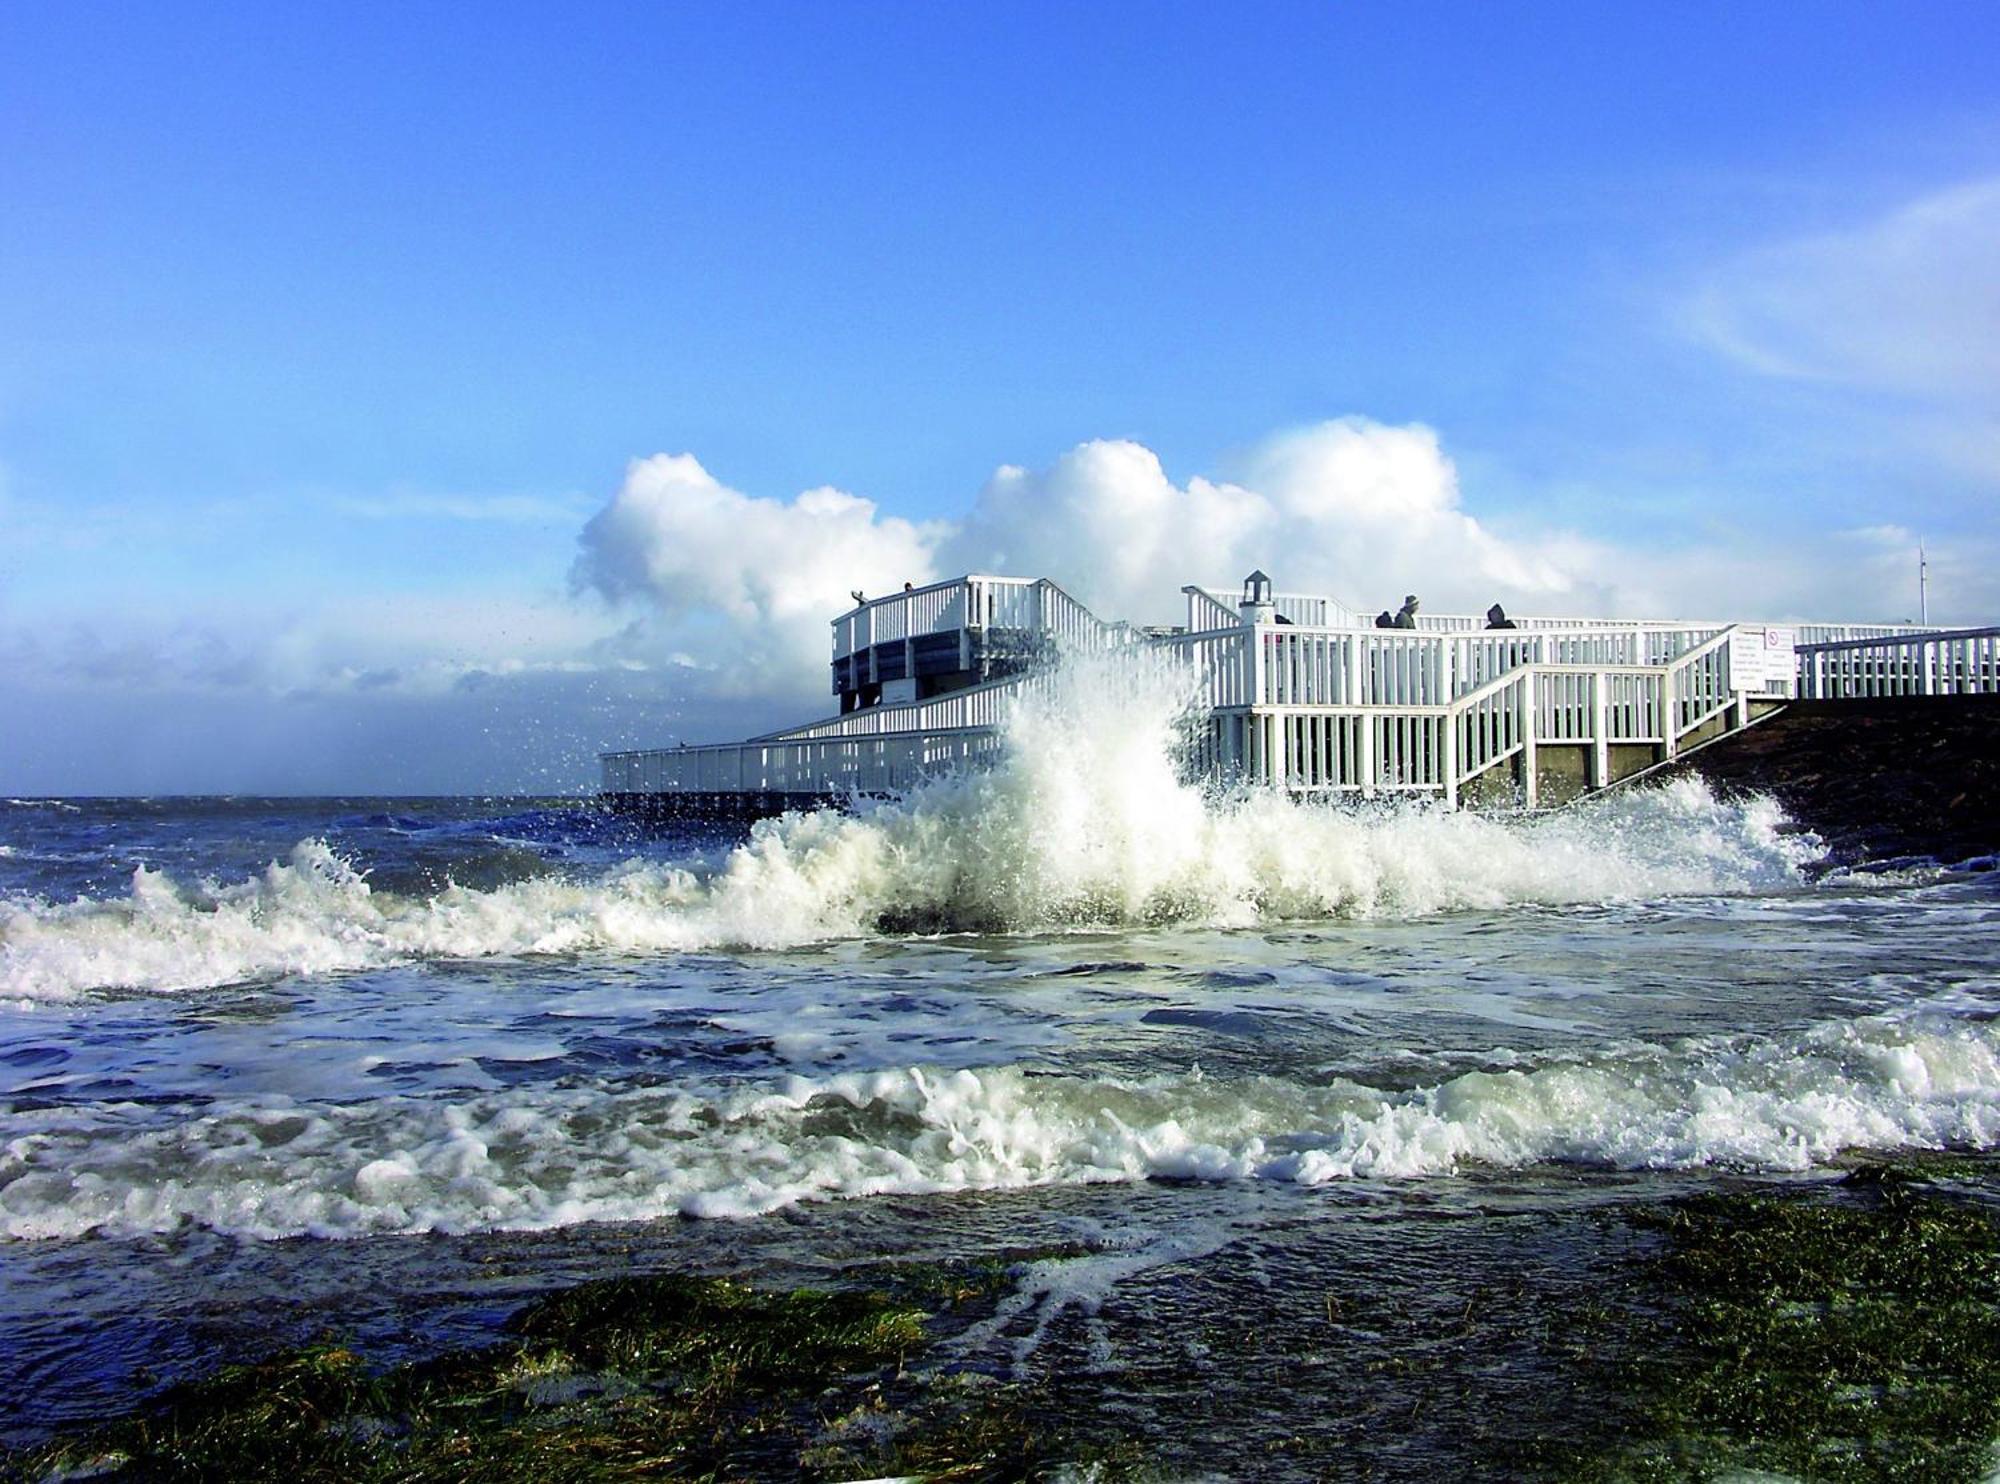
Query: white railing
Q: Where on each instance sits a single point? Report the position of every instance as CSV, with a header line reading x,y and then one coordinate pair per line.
x,y
1804,633
998,603
1366,712
1297,666
1033,604
1842,633
1635,707
1074,625
1207,611
1492,725
1699,686
820,767
939,608
1209,608
1391,730
1944,662
935,609
1219,661
1316,710
975,706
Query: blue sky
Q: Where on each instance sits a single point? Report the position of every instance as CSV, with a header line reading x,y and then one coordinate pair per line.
x,y
326,333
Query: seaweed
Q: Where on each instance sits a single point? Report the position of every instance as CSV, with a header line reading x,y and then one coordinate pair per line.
x,y
661,1375
1847,1332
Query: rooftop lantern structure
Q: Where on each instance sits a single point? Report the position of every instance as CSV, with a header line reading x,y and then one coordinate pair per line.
x,y
1258,605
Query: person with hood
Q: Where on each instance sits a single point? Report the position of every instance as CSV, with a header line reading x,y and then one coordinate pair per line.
x,y
1496,618
1406,616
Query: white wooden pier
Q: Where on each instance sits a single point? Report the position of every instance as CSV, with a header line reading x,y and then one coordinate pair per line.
x,y
1302,693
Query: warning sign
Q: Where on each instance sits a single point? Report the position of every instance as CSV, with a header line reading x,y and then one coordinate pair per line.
x,y
1762,661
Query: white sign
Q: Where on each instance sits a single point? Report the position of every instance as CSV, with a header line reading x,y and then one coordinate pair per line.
x,y
1762,661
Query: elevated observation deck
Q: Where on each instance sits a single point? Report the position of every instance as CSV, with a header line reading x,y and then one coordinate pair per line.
x,y
1297,692
929,641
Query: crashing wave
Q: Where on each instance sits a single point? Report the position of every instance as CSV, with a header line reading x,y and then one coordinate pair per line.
x,y
1085,821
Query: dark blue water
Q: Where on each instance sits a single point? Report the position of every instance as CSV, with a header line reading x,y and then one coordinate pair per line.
x,y
271,1069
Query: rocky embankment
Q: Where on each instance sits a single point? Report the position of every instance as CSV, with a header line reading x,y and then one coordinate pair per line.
x,y
1877,780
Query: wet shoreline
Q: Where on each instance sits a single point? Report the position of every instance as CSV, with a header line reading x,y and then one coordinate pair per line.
x,y
1641,1328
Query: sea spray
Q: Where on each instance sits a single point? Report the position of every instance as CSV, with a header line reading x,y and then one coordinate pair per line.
x,y
1084,821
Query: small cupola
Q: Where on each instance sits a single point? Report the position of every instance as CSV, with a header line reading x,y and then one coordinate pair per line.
x,y
1258,605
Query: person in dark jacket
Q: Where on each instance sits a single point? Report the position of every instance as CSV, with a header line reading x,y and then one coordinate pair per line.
x,y
1406,616
1496,618
1385,620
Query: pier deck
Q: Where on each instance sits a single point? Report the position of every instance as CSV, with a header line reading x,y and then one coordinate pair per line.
x,y
1298,692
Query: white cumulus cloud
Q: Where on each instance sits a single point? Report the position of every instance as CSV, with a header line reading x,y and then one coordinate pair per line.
x,y
1354,508
1106,521
1351,507
749,582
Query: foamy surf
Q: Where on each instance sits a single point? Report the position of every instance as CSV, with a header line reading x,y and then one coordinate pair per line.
x,y
963,856
558,1155
1083,823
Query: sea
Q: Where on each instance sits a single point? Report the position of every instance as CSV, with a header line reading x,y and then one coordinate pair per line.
x,y
1323,1105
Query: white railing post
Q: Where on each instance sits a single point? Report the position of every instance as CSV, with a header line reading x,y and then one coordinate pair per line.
x,y
1450,726
1600,741
1531,723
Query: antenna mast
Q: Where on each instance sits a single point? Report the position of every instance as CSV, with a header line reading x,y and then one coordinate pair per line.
x,y
1923,587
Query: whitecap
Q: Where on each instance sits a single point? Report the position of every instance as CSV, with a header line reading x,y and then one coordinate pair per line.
x,y
1084,822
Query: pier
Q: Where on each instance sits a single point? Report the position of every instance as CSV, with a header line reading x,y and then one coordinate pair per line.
x,y
1302,693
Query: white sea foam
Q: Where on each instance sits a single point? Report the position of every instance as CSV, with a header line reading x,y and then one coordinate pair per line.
x,y
1084,821
552,1156
1042,1292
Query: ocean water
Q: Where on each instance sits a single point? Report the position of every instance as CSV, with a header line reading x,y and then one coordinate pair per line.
x,y
272,1069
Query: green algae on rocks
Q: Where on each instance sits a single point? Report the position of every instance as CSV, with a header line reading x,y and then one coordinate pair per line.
x,y
624,1378
1849,1332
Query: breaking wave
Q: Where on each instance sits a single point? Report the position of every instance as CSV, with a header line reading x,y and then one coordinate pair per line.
x,y
1084,821
1925,1076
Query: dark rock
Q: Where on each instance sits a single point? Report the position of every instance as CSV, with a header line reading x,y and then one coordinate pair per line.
x,y
1914,776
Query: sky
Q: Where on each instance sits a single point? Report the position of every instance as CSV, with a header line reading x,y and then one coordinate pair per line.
x,y
421,398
